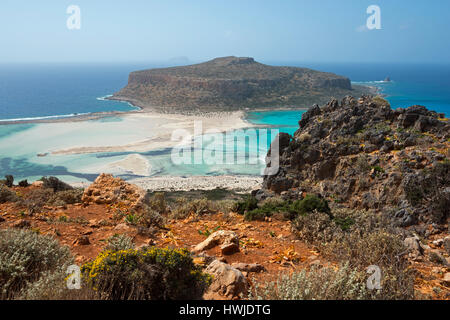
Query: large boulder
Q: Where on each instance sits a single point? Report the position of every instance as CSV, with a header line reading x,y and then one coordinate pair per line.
x,y
228,241
227,280
109,190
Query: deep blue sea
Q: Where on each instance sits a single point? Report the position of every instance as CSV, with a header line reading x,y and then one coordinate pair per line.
x,y
40,91
28,91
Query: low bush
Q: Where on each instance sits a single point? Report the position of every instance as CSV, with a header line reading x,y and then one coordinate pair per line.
x,y
36,199
25,257
289,209
119,242
247,204
55,184
361,239
150,274
61,198
158,203
7,195
317,284
312,203
362,164
23,183
9,181
197,207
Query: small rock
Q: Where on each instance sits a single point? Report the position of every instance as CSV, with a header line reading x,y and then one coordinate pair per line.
x,y
413,245
122,227
245,267
436,257
438,242
82,241
315,263
93,223
79,259
446,279
229,248
38,184
446,244
22,224
436,270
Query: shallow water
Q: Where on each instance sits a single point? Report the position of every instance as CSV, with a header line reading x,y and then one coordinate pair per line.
x,y
41,91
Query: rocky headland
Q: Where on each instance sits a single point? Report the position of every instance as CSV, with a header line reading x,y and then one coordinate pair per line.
x,y
232,83
365,155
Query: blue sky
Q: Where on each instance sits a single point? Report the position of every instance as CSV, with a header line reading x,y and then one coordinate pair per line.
x,y
282,30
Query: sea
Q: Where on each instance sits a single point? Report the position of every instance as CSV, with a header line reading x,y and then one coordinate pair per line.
x,y
32,91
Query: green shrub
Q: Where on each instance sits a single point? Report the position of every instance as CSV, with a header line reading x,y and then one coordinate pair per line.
x,y
362,164
36,199
158,203
316,229
197,207
150,274
9,181
7,195
289,209
247,204
149,217
55,184
379,101
61,198
23,183
312,203
317,284
25,257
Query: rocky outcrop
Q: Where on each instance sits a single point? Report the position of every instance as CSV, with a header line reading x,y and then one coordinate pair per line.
x,y
227,280
231,83
365,155
109,190
228,241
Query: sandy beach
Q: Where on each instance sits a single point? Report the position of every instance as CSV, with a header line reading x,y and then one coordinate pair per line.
x,y
160,129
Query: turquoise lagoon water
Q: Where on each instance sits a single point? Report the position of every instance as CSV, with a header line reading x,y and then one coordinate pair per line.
x,y
21,144
47,91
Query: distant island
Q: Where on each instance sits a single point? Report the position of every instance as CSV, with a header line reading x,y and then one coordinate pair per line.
x,y
233,83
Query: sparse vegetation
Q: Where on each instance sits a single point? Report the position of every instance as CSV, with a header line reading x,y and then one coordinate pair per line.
x,y
27,257
151,274
55,184
7,195
289,209
361,239
119,242
345,283
9,181
197,207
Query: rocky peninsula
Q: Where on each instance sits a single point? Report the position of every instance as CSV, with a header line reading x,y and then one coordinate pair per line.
x,y
232,83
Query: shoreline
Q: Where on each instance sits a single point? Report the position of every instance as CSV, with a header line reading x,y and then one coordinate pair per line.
x,y
238,183
142,108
